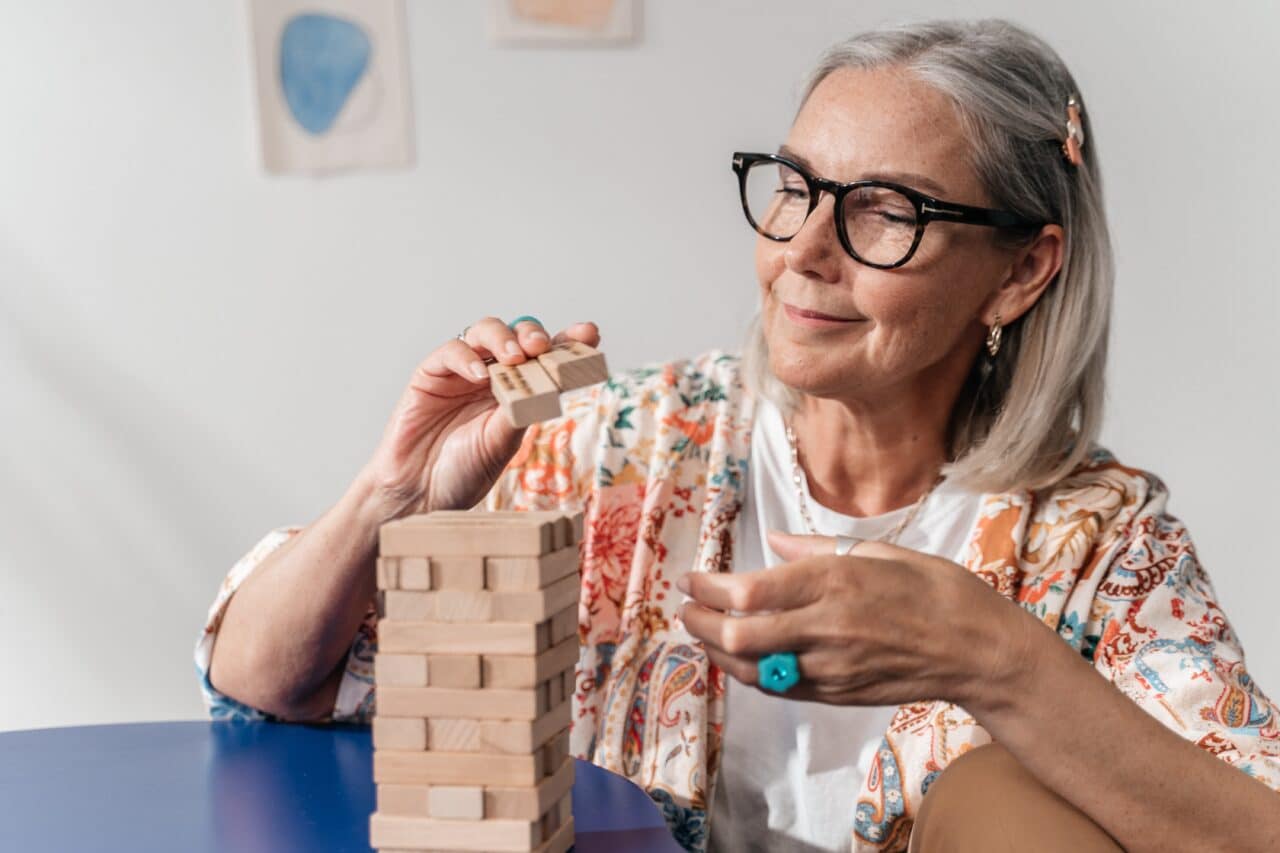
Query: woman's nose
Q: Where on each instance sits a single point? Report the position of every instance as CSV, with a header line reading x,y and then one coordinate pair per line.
x,y
815,249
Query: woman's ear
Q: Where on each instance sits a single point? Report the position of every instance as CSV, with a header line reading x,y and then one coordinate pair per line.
x,y
1032,269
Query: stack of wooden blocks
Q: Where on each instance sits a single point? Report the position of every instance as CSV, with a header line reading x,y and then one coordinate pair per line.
x,y
530,391
477,644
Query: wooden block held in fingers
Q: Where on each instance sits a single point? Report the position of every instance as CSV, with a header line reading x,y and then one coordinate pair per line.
x,y
573,364
406,767
415,573
512,574
519,737
484,638
406,800
504,836
454,670
400,670
528,671
490,704
456,802
388,573
399,732
458,574
446,734
525,392
517,803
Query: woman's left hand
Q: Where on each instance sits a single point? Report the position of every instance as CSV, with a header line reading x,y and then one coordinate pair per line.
x,y
882,625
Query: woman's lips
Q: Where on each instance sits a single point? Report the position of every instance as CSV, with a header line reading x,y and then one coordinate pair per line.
x,y
815,318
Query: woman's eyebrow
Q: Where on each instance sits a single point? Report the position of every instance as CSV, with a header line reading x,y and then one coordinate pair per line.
x,y
911,179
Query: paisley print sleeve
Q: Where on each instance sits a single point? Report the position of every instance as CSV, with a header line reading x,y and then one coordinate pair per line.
x,y
1158,633
354,702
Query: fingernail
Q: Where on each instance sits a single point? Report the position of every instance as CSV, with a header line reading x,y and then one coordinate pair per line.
x,y
682,584
539,336
478,371
513,348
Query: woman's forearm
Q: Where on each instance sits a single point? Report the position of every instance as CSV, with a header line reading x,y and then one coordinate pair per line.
x,y
287,629
1151,789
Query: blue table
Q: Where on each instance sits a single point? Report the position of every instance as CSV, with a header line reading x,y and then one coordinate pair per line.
x,y
243,787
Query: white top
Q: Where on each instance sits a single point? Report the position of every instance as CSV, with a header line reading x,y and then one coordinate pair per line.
x,y
790,771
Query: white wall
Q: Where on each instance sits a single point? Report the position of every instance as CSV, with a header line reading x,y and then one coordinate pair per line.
x,y
192,353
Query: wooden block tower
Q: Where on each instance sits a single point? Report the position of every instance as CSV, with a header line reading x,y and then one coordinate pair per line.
x,y
477,643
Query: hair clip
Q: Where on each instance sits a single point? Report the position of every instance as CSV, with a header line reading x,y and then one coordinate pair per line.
x,y
1075,133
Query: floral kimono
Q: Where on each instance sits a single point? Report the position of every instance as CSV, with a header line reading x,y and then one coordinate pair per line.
x,y
657,459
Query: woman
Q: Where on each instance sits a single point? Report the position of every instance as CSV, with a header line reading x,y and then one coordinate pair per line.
x,y
895,494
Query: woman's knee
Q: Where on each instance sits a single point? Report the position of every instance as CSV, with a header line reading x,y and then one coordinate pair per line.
x,y
985,800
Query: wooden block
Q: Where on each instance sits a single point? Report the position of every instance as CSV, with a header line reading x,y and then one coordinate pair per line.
x,y
458,574
549,824
406,800
525,392
423,535
570,683
456,803
406,767
522,737
530,803
561,842
555,750
452,605
484,638
573,365
399,732
564,624
555,690
388,573
408,606
528,670
415,573
489,704
452,835
400,670
562,523
454,670
454,735
565,808
578,522
514,574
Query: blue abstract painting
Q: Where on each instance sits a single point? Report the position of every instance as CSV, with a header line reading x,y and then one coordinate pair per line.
x,y
322,58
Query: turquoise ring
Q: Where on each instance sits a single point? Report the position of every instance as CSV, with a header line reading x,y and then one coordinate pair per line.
x,y
779,671
517,321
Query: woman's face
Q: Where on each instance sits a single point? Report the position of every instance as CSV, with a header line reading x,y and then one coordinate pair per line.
x,y
904,328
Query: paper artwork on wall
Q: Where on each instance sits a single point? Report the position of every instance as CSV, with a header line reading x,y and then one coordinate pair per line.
x,y
564,22
332,84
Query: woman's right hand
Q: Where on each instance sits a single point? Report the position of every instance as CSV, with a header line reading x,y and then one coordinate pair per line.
x,y
447,442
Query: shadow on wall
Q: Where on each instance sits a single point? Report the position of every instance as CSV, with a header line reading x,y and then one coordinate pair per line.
x,y
113,526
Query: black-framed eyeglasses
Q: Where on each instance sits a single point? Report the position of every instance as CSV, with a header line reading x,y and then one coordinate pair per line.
x,y
879,223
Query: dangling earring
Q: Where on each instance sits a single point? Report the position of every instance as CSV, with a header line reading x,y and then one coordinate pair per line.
x,y
993,337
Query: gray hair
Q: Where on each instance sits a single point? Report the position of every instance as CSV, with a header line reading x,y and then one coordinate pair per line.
x,y
1033,417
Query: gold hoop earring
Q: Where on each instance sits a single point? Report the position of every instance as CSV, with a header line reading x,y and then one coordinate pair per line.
x,y
993,337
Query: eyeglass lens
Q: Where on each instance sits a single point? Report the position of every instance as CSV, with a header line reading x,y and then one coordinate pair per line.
x,y
880,223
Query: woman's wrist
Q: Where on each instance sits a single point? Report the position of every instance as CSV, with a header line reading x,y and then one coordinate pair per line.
x,y
1019,652
369,505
